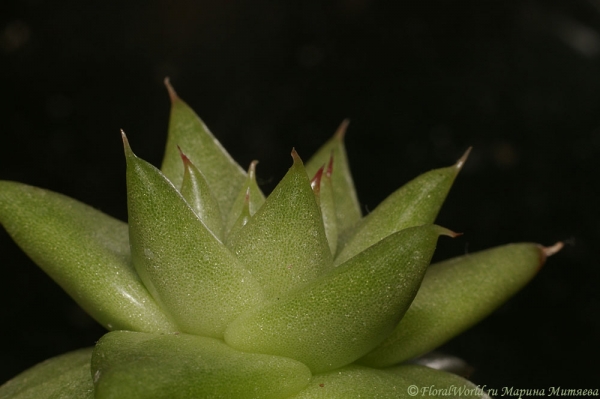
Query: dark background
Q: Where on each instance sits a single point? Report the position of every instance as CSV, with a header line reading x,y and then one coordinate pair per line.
x,y
420,81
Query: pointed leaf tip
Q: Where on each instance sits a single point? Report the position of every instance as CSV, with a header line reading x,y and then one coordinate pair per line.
x,y
296,157
340,133
172,93
126,146
461,161
252,169
315,183
549,251
184,158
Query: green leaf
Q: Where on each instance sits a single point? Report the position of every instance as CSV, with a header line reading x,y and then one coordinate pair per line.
x,y
323,188
347,207
189,272
346,313
66,376
402,382
131,365
417,202
85,251
224,176
284,243
196,192
249,196
455,295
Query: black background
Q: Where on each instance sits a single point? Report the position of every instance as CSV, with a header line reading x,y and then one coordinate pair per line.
x,y
420,81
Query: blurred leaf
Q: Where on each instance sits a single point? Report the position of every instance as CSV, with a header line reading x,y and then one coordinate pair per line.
x,y
131,365
249,196
85,251
66,376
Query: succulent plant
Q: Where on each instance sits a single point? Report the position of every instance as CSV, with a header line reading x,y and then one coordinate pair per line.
x,y
212,290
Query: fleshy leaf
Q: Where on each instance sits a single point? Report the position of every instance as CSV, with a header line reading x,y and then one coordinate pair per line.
x,y
346,202
250,195
196,192
224,176
85,251
132,365
417,202
284,243
190,273
402,382
323,188
66,376
455,295
345,313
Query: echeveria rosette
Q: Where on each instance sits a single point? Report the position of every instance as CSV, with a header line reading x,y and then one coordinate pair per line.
x,y
212,290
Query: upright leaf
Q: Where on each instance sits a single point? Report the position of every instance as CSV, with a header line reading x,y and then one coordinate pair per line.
x,y
455,295
417,202
346,313
196,192
346,202
249,196
85,251
186,130
284,243
185,267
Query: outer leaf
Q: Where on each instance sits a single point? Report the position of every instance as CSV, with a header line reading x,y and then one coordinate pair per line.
x,y
63,377
455,295
347,207
344,314
85,251
140,366
224,176
249,196
185,267
400,382
196,192
284,243
417,202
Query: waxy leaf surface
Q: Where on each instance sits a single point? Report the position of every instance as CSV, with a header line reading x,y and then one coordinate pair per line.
x,y
417,202
128,365
284,243
85,251
224,176
346,313
66,376
456,294
346,202
192,275
196,192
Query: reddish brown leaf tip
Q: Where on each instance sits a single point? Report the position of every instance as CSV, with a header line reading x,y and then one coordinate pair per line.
x,y
340,133
461,161
172,93
296,157
315,183
329,170
184,158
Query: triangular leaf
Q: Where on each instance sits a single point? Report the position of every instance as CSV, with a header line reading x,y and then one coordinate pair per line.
x,y
186,268
417,202
346,313
284,243
346,202
249,196
186,130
